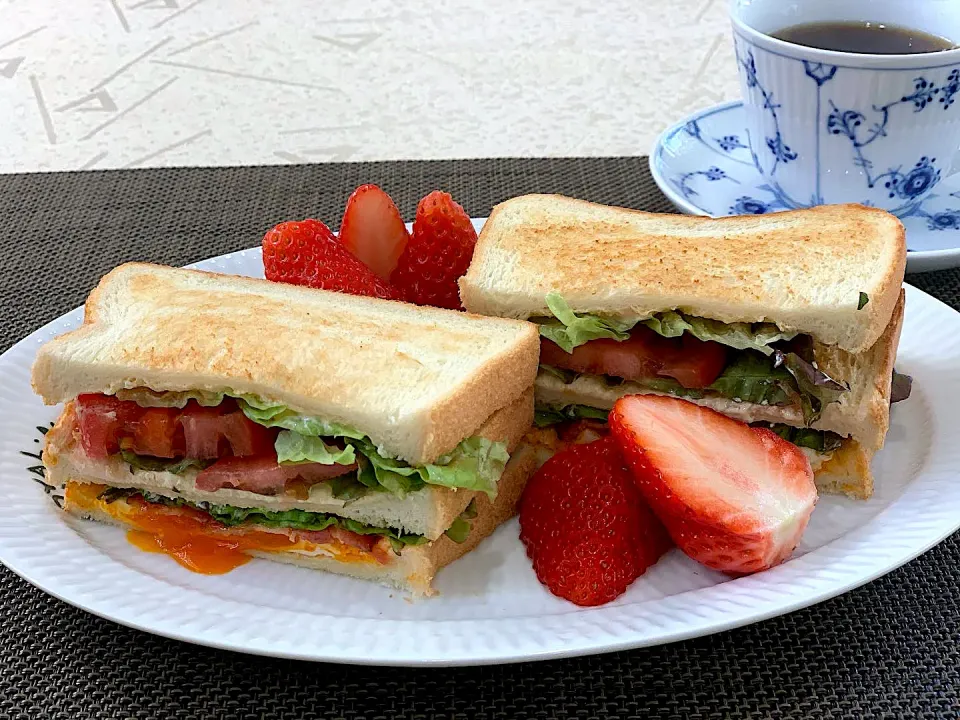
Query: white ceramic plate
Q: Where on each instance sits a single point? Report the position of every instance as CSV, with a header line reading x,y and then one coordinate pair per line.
x,y
491,608
704,165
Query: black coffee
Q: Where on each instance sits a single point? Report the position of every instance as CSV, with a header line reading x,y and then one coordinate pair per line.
x,y
864,37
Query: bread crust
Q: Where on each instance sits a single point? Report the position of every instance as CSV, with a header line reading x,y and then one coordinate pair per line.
x,y
803,270
863,412
416,380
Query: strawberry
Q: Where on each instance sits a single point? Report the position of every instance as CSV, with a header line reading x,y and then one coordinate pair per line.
x,y
585,525
373,230
733,497
438,254
307,253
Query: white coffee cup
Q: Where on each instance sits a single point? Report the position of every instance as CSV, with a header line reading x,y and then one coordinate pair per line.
x,y
837,127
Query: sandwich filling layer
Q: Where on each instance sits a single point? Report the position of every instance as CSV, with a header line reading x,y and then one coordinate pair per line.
x,y
184,471
750,364
217,538
247,444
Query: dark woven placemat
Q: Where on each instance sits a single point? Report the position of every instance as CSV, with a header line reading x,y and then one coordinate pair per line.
x,y
890,649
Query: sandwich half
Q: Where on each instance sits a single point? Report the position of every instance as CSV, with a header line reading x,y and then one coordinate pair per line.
x,y
221,417
790,320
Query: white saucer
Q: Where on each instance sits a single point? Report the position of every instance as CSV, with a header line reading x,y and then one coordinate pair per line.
x,y
704,165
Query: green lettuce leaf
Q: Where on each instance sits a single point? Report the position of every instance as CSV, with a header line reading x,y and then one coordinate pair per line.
x,y
155,464
466,467
283,417
399,542
741,336
347,487
232,516
377,471
821,441
459,530
144,397
752,378
546,415
566,376
475,464
293,447
671,387
570,330
303,520
816,387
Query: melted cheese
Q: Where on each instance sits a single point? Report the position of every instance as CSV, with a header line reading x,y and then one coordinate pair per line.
x,y
194,539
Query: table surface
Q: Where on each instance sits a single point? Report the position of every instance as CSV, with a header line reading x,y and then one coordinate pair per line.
x,y
141,83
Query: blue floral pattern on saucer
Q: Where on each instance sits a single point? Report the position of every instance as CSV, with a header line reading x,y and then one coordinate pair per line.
x,y
705,166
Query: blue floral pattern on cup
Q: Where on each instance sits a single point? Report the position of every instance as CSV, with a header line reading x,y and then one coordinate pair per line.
x,y
712,174
746,205
694,168
904,187
729,143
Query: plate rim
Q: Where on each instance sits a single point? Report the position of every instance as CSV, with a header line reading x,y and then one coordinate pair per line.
x,y
921,260
622,617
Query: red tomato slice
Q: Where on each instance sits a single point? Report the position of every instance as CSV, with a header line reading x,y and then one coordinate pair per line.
x,y
260,475
315,536
361,542
316,472
101,419
263,475
696,364
246,437
645,355
157,433
201,430
633,359
375,544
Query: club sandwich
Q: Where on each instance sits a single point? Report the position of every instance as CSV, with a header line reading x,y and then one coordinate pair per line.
x,y
221,417
789,321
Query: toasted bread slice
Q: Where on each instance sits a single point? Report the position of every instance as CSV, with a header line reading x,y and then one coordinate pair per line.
x,y
416,380
414,569
803,270
428,512
863,413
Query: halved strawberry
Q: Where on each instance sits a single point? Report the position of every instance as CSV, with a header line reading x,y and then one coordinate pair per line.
x,y
373,230
307,253
732,497
438,254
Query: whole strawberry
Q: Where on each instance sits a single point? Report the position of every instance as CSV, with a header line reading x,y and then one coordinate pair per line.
x,y
585,525
308,253
438,254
